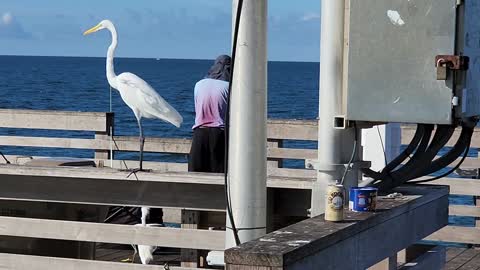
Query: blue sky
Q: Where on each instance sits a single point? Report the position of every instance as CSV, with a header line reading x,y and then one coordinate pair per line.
x,y
198,29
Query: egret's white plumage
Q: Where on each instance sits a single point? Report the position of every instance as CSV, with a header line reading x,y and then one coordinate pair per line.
x,y
144,101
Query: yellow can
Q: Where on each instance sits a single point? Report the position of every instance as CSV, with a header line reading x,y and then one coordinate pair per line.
x,y
335,199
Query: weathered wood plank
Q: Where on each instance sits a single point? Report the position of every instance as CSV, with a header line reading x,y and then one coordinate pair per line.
x,y
473,264
57,120
167,166
103,186
112,233
457,234
152,144
472,163
291,153
295,173
72,143
340,245
101,191
458,186
292,129
464,210
22,262
453,252
461,259
167,177
477,204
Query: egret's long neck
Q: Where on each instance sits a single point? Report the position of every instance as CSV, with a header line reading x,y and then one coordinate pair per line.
x,y
111,76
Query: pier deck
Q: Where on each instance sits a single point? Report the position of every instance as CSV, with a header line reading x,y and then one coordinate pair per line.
x,y
463,258
457,258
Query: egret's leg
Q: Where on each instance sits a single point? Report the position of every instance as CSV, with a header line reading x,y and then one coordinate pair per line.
x,y
142,142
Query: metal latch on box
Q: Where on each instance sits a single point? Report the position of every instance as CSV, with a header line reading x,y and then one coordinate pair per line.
x,y
444,63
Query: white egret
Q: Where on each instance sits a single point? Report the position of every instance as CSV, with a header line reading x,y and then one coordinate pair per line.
x,y
144,101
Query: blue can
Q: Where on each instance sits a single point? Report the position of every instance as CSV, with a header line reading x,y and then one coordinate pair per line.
x,y
363,199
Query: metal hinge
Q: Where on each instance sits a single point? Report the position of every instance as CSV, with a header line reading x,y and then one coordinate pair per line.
x,y
459,2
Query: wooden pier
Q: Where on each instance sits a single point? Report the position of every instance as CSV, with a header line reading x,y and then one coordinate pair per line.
x,y
169,186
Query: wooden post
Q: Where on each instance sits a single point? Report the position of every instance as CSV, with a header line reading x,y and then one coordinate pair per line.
x,y
476,201
275,162
272,164
104,135
190,220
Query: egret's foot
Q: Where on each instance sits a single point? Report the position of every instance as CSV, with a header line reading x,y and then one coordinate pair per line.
x,y
132,171
127,260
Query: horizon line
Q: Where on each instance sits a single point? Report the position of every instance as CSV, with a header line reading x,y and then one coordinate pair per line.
x,y
154,58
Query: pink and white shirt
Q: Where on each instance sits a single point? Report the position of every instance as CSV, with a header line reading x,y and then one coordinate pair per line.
x,y
210,103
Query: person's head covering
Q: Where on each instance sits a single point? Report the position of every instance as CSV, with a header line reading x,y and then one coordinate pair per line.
x,y
220,69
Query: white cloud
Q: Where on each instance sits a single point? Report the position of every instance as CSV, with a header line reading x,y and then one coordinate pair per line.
x,y
7,18
310,17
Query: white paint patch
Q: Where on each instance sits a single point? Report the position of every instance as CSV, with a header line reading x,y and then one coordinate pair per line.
x,y
7,18
282,232
428,11
395,17
297,243
267,240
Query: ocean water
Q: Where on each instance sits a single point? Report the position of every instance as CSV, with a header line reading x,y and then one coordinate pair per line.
x,y
79,84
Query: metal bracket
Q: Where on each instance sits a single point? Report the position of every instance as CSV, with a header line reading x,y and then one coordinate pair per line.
x,y
313,164
340,122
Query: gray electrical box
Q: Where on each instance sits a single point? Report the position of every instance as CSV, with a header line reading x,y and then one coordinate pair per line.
x,y
394,70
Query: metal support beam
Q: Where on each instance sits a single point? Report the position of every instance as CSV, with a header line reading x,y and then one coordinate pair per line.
x,y
335,145
248,118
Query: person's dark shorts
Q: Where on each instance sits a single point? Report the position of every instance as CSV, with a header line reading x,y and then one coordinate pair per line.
x,y
207,151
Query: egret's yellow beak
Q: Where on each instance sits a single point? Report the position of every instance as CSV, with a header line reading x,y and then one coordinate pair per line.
x,y
91,30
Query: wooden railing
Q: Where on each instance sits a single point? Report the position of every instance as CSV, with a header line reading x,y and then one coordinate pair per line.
x,y
361,241
289,188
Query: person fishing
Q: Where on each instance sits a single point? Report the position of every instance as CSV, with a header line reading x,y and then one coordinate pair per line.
x,y
208,142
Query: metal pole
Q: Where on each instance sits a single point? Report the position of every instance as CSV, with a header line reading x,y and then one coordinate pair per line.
x,y
334,145
248,118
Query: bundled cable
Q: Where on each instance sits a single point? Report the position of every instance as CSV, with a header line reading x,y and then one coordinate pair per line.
x,y
464,141
398,160
424,149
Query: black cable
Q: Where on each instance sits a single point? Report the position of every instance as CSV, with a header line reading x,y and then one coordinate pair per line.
x,y
452,154
447,173
419,133
396,177
227,123
383,146
354,151
441,138
465,154
6,160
